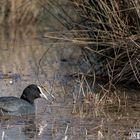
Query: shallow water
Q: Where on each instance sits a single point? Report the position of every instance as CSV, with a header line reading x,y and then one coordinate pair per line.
x,y
25,62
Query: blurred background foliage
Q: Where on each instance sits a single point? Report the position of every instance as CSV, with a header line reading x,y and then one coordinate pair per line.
x,y
107,31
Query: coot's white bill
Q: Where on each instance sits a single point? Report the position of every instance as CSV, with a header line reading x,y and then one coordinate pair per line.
x,y
42,94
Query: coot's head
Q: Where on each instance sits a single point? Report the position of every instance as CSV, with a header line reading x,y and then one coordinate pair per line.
x,y
32,92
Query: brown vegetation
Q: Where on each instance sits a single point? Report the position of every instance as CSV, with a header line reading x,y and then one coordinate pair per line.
x,y
110,30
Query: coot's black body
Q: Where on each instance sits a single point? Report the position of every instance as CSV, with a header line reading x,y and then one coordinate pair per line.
x,y
23,105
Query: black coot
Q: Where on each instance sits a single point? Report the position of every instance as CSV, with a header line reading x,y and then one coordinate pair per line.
x,y
23,105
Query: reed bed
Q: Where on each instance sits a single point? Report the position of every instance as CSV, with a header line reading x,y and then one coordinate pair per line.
x,y
110,32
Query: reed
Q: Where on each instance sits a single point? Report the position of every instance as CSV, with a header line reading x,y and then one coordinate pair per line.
x,y
109,34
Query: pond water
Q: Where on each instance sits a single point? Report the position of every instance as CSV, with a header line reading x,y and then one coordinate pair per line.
x,y
31,61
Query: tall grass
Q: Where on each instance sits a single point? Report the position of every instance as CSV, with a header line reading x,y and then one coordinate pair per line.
x,y
109,36
110,32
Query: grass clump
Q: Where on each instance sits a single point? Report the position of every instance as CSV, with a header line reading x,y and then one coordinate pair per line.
x,y
109,31
109,36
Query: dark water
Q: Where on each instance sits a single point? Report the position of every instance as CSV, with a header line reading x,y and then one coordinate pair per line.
x,y
26,62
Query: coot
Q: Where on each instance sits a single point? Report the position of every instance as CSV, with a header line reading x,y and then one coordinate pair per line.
x,y
23,105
